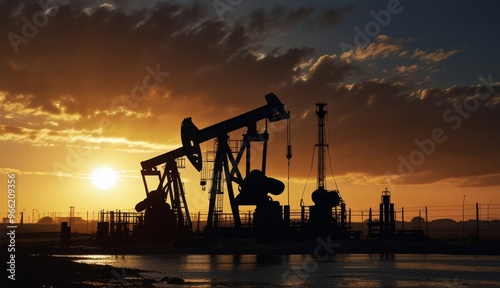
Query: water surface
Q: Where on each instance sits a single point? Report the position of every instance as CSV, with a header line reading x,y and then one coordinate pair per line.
x,y
341,270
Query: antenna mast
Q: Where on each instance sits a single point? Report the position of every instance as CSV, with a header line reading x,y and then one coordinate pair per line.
x,y
320,113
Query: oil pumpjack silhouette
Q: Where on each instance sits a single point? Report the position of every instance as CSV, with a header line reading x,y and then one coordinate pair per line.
x,y
165,214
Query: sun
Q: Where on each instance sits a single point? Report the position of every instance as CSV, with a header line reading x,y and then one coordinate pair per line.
x,y
104,178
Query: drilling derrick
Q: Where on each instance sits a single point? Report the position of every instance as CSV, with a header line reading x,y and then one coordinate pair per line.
x,y
321,112
322,219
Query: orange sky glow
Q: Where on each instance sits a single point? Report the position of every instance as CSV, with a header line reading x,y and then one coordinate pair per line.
x,y
108,86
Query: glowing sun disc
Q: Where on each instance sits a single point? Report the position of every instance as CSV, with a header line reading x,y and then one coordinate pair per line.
x,y
104,178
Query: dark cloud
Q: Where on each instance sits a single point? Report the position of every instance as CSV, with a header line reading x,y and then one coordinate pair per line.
x,y
84,57
86,62
375,126
4,129
280,19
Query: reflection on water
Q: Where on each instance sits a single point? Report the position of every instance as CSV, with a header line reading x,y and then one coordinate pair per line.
x,y
355,270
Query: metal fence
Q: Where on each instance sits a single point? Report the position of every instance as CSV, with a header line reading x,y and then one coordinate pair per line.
x,y
448,221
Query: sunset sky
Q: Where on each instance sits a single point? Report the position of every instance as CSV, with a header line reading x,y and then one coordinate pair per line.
x,y
413,93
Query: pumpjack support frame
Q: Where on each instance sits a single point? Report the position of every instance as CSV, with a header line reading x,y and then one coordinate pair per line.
x,y
192,137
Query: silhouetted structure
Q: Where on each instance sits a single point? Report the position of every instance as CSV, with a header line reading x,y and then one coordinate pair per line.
x,y
164,221
322,221
387,222
163,216
385,227
65,234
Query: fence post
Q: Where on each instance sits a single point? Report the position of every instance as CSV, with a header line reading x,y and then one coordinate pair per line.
x,y
463,217
362,224
477,220
402,218
426,221
349,219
